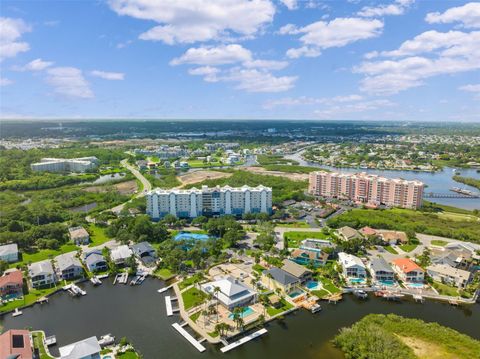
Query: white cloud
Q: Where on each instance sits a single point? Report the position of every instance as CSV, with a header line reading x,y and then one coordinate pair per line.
x,y
5,82
11,30
35,65
398,7
340,111
290,4
309,101
209,73
221,55
471,88
336,33
252,80
468,15
108,75
429,54
266,64
189,21
306,51
69,82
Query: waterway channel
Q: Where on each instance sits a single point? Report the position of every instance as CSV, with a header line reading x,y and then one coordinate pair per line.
x,y
138,313
437,182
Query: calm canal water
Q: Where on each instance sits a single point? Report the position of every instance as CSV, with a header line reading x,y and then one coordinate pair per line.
x,y
139,314
437,182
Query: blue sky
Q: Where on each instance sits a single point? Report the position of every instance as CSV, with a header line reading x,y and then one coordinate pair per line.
x,y
398,60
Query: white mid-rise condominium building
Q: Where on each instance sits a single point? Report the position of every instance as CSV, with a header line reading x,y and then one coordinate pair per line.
x,y
194,202
81,164
367,188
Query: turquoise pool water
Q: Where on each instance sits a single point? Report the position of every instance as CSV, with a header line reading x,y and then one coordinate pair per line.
x,y
246,312
295,294
356,280
415,285
387,283
311,284
185,236
107,357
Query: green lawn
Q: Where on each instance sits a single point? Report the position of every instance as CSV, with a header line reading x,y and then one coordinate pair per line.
x,y
190,280
28,299
258,268
408,247
390,249
320,293
195,316
274,311
38,343
192,298
97,235
294,238
45,254
164,273
214,334
439,242
328,285
128,355
446,289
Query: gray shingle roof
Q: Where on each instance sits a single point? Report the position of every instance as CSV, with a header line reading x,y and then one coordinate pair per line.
x,y
281,276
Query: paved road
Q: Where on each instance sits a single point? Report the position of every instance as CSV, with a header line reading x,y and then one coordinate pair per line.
x,y
147,186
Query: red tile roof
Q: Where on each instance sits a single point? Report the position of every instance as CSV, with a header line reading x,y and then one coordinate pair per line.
x,y
407,265
16,342
14,277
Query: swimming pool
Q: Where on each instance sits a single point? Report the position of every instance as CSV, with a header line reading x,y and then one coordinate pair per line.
x,y
245,313
356,280
185,236
415,285
295,294
386,283
312,285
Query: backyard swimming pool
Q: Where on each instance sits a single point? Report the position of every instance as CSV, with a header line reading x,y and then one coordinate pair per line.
x,y
356,280
386,283
246,312
415,285
295,294
312,285
185,236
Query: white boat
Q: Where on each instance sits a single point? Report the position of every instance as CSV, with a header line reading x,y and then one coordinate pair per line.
x,y
360,294
17,312
95,280
106,339
315,308
51,340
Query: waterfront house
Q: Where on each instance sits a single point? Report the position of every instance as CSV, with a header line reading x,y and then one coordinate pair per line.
x,y
16,344
348,233
145,252
11,283
79,235
230,293
68,266
42,274
297,270
315,257
380,270
276,278
449,275
408,271
469,251
9,253
120,254
95,261
352,266
83,349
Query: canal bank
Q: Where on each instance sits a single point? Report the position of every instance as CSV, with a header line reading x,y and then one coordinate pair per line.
x,y
138,312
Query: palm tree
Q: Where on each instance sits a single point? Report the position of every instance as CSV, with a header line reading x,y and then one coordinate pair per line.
x,y
216,290
261,319
204,313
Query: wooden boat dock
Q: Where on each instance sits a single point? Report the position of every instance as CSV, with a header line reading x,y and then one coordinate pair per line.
x,y
243,340
189,337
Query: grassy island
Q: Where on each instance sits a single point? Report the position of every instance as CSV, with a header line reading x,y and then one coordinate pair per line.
x,y
392,336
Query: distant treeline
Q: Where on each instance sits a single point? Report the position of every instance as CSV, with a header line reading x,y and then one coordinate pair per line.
x,y
468,181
